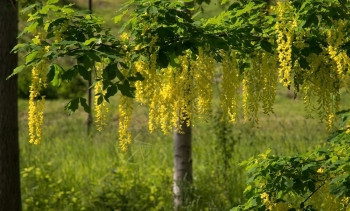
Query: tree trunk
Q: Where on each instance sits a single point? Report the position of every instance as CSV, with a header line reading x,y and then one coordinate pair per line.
x,y
182,164
182,157
10,197
89,91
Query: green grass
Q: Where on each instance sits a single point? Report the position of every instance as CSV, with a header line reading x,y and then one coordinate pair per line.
x,y
100,175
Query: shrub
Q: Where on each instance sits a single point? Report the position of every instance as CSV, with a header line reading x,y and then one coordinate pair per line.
x,y
318,179
44,192
127,188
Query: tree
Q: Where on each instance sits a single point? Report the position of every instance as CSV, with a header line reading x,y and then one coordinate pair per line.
x,y
165,59
10,198
89,91
182,154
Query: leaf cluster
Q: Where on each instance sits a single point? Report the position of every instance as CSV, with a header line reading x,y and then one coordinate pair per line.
x,y
61,32
293,180
243,27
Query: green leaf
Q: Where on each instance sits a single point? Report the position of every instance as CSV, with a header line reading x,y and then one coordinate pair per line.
x,y
86,61
31,56
118,18
246,9
31,27
266,46
69,74
223,2
304,63
100,99
126,90
91,40
16,71
30,7
83,103
110,72
67,10
19,46
111,91
162,59
52,1
72,106
84,72
54,74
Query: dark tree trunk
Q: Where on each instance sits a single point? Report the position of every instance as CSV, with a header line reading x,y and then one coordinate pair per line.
x,y
10,197
89,91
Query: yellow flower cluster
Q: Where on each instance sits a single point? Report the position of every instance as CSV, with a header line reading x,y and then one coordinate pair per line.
x,y
259,85
266,200
284,28
335,38
36,106
175,94
147,90
124,36
251,92
320,170
174,97
203,69
345,202
125,109
269,81
186,91
230,85
321,83
101,109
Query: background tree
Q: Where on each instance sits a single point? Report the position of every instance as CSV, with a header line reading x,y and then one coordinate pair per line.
x,y
10,198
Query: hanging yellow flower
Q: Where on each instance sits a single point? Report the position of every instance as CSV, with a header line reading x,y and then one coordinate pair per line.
x,y
125,109
284,28
101,108
230,85
203,70
36,106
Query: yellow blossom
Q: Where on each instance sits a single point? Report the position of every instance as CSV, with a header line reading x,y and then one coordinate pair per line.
x,y
320,170
36,106
230,85
125,109
124,36
101,108
284,28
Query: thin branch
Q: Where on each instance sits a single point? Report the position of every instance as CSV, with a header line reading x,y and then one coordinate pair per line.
x,y
314,192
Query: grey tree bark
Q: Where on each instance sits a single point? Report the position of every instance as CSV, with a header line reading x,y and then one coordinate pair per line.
x,y
182,164
10,197
182,158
